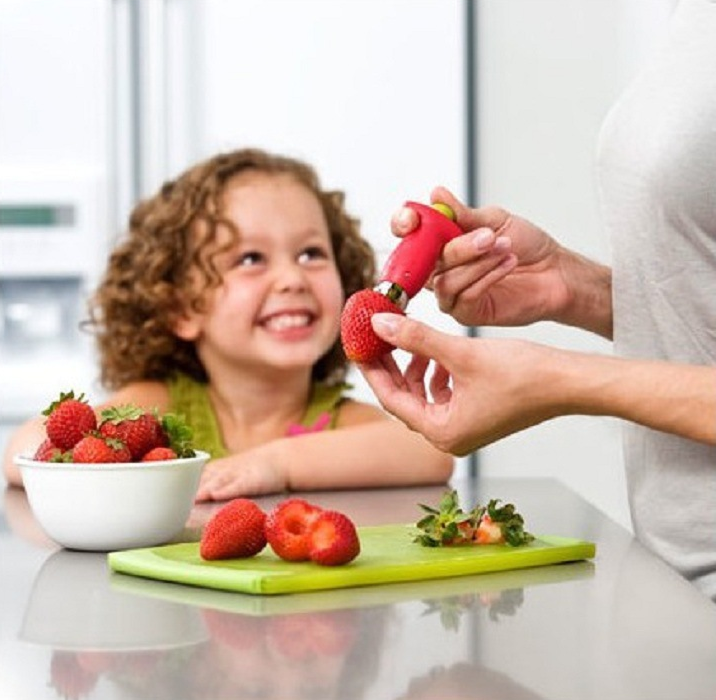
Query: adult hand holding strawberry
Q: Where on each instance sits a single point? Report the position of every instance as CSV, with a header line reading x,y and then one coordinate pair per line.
x,y
481,389
505,271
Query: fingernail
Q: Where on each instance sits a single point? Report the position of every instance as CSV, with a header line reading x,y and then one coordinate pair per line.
x,y
502,244
482,238
386,325
405,218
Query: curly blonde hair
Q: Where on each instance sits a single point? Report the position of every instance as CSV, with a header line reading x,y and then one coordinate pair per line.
x,y
148,283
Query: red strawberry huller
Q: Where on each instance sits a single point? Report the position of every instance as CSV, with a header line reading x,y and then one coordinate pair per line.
x,y
404,275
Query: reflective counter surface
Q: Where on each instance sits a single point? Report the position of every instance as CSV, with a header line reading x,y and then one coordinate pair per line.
x,y
622,626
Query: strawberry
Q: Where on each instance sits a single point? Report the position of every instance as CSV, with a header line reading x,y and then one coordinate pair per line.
x,y
140,430
48,452
334,539
95,449
159,454
288,526
360,343
449,525
68,420
235,531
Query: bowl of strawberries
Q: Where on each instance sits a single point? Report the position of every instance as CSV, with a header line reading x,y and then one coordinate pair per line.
x,y
122,479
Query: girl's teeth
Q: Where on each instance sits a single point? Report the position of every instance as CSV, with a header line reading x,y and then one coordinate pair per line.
x,y
280,323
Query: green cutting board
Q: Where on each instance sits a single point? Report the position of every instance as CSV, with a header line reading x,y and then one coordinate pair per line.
x,y
388,555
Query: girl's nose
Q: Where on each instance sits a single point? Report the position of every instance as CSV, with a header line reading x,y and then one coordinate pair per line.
x,y
290,276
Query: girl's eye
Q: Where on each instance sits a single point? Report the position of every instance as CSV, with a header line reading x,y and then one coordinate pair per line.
x,y
313,253
249,259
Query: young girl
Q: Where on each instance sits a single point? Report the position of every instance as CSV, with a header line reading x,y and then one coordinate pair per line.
x,y
223,304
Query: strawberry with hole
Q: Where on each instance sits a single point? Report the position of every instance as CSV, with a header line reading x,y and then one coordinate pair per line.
x,y
138,429
96,449
235,531
333,539
360,343
69,419
288,528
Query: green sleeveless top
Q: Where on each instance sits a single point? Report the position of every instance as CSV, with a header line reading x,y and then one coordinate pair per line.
x,y
191,399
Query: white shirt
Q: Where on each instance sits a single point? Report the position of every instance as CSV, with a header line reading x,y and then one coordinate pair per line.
x,y
657,173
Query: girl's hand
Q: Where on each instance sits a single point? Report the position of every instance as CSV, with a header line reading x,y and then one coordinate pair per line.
x,y
504,271
250,473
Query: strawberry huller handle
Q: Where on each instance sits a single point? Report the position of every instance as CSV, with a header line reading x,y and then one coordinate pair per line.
x,y
413,261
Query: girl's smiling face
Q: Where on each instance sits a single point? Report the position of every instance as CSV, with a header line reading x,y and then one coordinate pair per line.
x,y
280,300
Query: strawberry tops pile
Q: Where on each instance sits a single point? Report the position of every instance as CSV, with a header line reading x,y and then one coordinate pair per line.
x,y
295,530
448,524
127,433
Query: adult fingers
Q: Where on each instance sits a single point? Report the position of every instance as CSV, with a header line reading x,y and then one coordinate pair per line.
x,y
467,284
412,336
395,396
404,221
468,218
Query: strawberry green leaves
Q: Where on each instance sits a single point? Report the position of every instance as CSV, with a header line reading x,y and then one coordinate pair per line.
x,y
447,524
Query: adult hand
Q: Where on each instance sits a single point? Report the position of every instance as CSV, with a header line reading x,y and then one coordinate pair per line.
x,y
480,390
504,271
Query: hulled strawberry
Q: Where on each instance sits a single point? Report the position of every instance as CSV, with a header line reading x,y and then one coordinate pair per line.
x,y
288,528
235,531
360,343
68,420
96,449
333,539
138,429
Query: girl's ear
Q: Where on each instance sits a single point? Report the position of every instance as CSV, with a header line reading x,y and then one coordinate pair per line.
x,y
187,326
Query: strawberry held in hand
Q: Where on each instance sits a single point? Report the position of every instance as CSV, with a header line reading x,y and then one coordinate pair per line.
x,y
360,343
236,531
405,273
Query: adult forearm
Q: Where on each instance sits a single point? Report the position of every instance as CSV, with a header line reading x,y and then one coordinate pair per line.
x,y
673,398
589,305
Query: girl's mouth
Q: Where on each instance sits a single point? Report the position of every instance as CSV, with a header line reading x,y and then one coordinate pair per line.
x,y
287,321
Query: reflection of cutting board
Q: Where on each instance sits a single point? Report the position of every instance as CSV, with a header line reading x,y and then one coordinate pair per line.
x,y
388,554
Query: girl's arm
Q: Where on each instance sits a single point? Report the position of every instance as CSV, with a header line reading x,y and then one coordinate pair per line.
x,y
367,449
24,440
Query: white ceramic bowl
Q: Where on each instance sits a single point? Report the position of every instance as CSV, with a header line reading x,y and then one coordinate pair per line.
x,y
105,507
